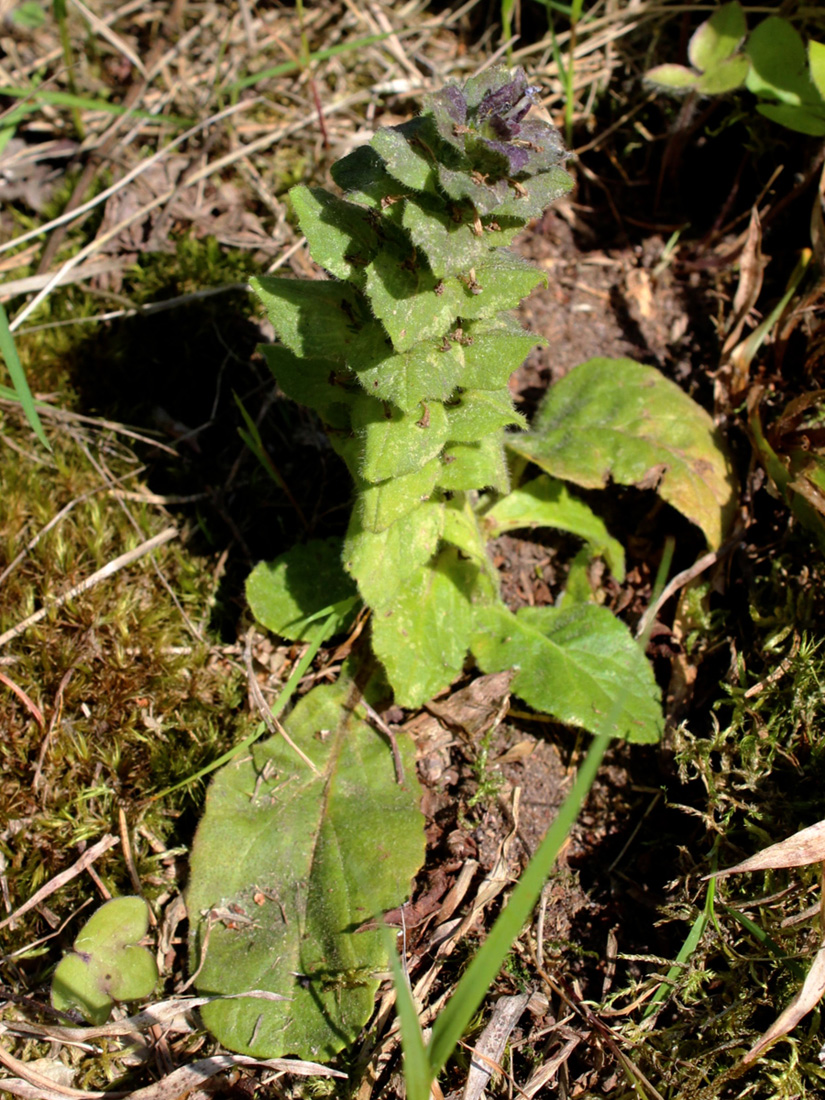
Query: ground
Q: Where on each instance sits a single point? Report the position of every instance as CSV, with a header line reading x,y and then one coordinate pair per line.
x,y
129,689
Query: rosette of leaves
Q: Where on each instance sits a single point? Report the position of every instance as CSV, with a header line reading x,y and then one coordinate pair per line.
x,y
405,352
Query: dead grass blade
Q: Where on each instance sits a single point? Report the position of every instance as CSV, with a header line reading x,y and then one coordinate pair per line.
x,y
807,999
806,846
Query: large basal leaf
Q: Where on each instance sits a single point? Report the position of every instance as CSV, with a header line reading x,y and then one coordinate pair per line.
x,y
616,420
287,594
287,863
546,502
315,319
577,663
382,561
422,636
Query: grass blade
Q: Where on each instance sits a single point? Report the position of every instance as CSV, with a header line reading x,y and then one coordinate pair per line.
x,y
418,1076
18,378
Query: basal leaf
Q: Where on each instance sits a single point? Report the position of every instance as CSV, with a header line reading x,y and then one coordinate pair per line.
x,y
383,561
285,595
393,442
340,236
421,637
577,663
614,419
309,382
475,413
546,502
478,465
287,863
294,306
802,120
380,505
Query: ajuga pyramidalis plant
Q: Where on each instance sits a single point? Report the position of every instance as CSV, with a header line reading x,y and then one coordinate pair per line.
x,y
405,352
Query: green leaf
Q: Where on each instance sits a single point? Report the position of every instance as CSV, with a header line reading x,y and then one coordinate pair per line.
x,y
451,247
461,529
718,37
286,595
724,77
816,63
671,77
421,637
614,419
382,561
339,233
546,502
802,120
107,963
475,413
533,196
315,319
380,505
408,299
779,64
405,154
308,856
8,350
501,282
362,175
577,663
478,465
310,382
429,371
393,442
495,351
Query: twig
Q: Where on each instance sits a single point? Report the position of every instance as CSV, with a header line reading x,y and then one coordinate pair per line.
x,y
375,719
680,580
108,570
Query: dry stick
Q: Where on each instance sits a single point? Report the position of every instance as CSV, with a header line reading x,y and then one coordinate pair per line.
x,y
99,27
101,574
97,422
85,861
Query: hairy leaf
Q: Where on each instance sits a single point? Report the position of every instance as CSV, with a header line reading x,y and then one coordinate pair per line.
x,y
578,663
717,38
422,636
340,236
294,307
404,152
546,502
408,299
309,382
286,595
378,506
429,370
288,861
382,561
475,413
393,442
452,247
614,419
474,466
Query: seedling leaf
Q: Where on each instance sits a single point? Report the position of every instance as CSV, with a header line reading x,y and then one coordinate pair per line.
x,y
614,419
289,863
718,37
107,963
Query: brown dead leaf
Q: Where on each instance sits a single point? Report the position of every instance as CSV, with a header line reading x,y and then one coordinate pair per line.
x,y
806,846
808,997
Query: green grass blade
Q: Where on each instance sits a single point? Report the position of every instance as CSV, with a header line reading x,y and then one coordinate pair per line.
x,y
18,377
695,934
83,103
418,1076
482,971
